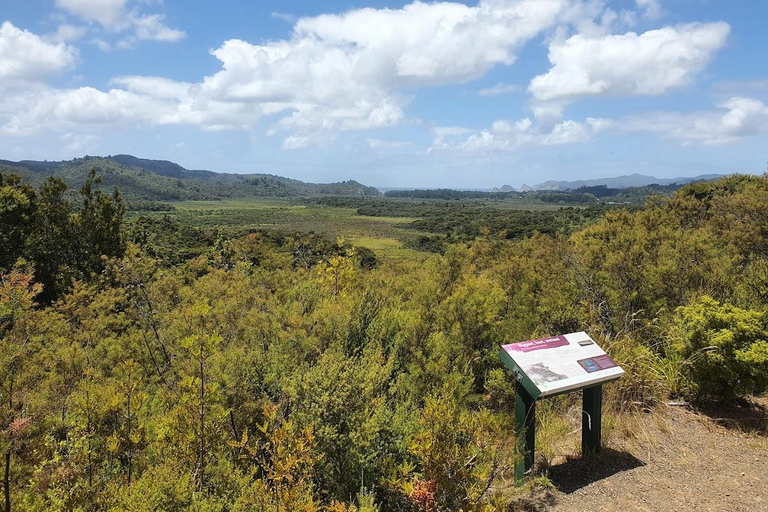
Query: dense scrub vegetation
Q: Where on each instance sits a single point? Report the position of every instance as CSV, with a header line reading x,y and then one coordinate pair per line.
x,y
466,220
276,373
469,223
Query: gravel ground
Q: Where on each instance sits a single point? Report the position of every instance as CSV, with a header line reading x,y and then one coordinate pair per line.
x,y
705,460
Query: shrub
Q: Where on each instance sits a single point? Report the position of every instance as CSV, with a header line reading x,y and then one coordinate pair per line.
x,y
724,347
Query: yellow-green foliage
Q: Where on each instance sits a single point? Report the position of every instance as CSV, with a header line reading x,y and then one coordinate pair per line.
x,y
284,458
278,374
643,384
725,348
458,453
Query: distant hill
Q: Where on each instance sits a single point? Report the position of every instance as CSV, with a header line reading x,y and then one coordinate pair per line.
x,y
163,167
632,180
139,178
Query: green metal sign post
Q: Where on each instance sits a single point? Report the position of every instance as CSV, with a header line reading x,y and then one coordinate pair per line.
x,y
525,426
591,420
549,367
525,431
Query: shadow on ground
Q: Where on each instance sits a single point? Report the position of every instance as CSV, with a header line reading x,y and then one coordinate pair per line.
x,y
576,473
537,499
750,415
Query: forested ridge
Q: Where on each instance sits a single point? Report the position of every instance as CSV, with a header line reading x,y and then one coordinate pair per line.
x,y
277,372
141,179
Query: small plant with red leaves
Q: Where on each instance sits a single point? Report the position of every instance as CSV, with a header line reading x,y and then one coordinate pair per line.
x,y
18,426
423,494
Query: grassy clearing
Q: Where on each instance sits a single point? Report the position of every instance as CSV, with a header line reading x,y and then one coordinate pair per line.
x,y
383,247
385,235
386,226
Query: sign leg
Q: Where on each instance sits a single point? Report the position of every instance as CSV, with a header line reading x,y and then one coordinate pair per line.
x,y
525,430
591,420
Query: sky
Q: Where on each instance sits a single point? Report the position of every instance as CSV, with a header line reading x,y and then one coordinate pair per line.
x,y
472,94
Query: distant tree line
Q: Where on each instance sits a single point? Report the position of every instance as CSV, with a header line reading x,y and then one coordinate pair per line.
x,y
581,195
446,193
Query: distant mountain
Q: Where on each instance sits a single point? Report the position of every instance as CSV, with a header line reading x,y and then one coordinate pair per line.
x,y
505,188
139,178
632,180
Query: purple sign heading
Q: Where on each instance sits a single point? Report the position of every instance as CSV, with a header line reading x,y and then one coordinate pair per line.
x,y
540,344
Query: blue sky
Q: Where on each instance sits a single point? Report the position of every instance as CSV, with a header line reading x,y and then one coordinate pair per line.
x,y
392,94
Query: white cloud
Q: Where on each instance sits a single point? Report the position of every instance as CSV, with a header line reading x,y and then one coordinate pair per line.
x,y
305,141
335,73
154,87
499,89
115,16
447,131
317,124
444,137
109,13
744,117
65,33
568,132
348,71
739,118
381,144
25,56
651,8
102,45
79,143
651,63
504,135
288,18
368,52
151,28
41,108
427,44
548,114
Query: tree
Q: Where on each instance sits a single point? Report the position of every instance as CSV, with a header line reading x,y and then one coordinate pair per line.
x,y
97,227
17,294
40,227
50,245
199,390
338,270
129,433
17,211
283,457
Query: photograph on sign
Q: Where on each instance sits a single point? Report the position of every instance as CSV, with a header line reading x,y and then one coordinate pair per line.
x,y
561,363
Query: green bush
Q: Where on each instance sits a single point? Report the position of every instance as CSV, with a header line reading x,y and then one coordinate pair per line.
x,y
724,347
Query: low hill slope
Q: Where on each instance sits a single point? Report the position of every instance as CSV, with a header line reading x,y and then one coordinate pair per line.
x,y
139,178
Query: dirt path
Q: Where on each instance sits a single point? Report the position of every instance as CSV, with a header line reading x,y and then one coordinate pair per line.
x,y
681,461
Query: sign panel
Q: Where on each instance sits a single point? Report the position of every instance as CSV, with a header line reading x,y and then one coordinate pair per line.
x,y
549,366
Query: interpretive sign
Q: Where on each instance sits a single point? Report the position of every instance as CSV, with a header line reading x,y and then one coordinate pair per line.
x,y
550,366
